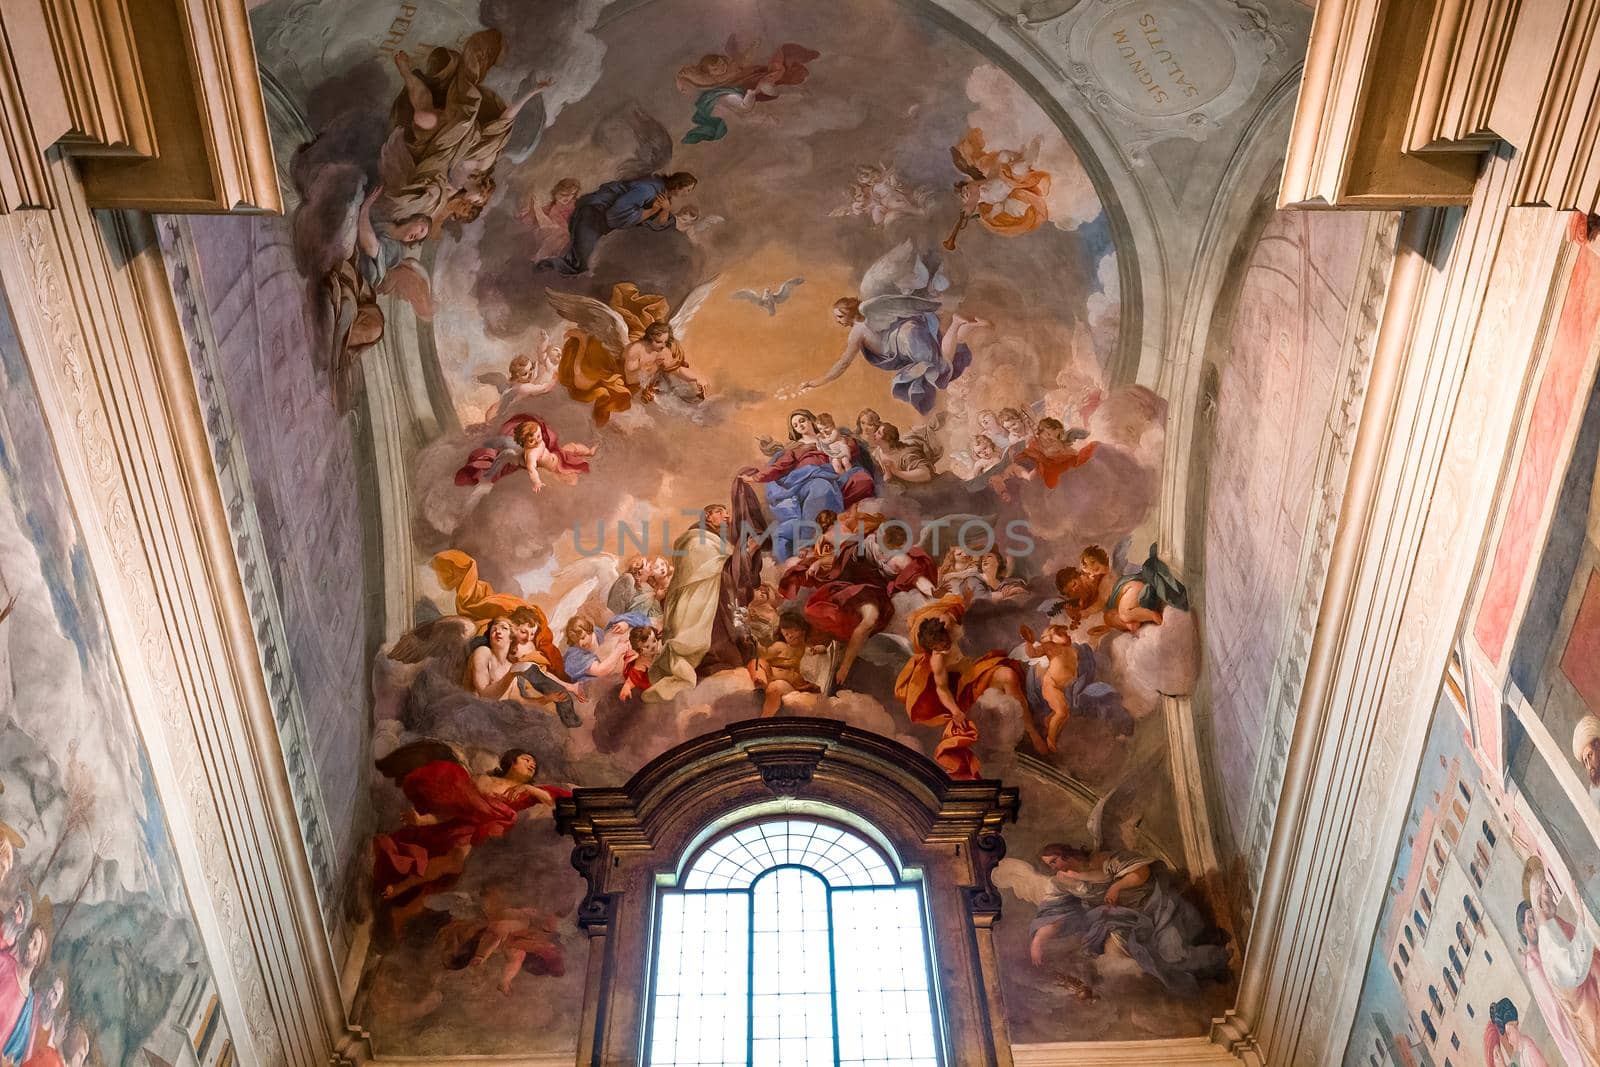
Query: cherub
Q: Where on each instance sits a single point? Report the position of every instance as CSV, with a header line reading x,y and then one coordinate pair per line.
x,y
895,324
911,567
647,646
480,929
760,616
980,459
552,220
728,83
526,442
526,376
588,657
780,664
881,195
627,348
1049,454
1056,646
1000,188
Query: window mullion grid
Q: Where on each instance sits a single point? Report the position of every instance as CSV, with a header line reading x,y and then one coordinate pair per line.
x,y
833,976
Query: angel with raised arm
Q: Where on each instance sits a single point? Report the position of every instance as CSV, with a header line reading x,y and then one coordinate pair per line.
x,y
527,443
528,375
894,324
630,347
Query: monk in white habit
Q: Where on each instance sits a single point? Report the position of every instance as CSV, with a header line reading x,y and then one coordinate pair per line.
x,y
693,603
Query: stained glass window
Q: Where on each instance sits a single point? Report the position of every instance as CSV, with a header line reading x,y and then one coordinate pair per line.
x,y
790,942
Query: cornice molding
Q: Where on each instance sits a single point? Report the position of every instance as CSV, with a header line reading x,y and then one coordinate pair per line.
x,y
159,98
1348,146
95,51
1462,63
1402,97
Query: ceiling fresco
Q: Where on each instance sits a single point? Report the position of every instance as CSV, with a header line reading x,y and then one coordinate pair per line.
x,y
768,356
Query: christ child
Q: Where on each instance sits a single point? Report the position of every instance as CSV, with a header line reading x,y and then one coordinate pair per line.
x,y
832,442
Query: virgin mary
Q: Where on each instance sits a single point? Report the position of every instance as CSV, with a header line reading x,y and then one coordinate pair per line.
x,y
800,483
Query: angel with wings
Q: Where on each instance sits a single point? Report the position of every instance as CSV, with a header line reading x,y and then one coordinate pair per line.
x,y
999,187
631,346
730,83
894,324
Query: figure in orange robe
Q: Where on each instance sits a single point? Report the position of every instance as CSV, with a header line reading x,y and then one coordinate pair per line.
x,y
1000,188
477,600
940,685
594,374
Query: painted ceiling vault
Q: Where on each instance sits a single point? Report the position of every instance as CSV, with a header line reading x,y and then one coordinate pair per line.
x,y
625,370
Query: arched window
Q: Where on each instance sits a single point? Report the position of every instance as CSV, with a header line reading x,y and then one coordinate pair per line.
x,y
1461,939
1472,911
1411,939
1455,961
1399,976
1427,1023
1405,957
1433,998
1488,834
1416,917
1450,982
1427,902
792,942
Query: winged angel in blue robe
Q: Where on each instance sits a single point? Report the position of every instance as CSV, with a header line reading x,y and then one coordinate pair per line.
x,y
894,324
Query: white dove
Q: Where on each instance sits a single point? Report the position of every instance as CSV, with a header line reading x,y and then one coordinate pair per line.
x,y
768,298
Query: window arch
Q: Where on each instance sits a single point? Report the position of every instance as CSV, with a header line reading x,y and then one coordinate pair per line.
x,y
791,941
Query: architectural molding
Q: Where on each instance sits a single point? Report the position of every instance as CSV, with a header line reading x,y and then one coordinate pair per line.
x,y
1349,143
103,339
1462,63
94,49
1332,471
33,109
159,98
1457,318
255,569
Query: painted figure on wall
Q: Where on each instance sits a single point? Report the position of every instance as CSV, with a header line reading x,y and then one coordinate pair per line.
x,y
602,566
100,957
